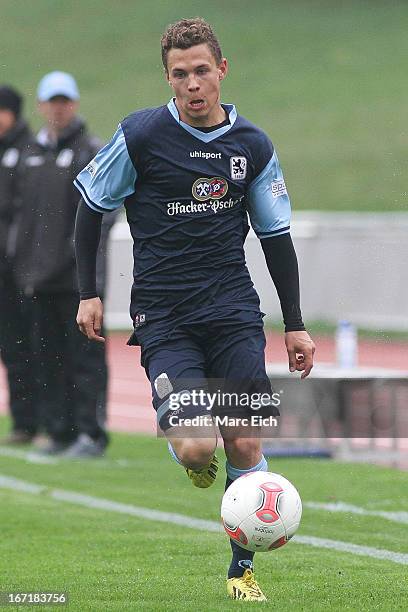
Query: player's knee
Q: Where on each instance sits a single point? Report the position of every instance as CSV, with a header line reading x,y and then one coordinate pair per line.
x,y
194,453
243,451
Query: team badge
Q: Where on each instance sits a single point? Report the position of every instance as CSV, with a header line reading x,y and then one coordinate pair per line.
x,y
209,188
238,168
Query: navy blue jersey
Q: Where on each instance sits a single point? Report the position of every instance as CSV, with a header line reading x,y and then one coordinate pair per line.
x,y
187,195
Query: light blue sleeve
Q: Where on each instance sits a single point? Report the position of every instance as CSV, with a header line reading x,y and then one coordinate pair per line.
x,y
268,201
109,178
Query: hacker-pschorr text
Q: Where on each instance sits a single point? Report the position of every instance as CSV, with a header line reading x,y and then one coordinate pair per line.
x,y
177,208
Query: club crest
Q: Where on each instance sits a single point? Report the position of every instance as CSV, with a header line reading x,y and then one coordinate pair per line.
x,y
238,167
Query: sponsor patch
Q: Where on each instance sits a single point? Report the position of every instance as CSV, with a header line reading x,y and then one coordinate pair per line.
x,y
209,188
163,385
92,168
278,188
238,167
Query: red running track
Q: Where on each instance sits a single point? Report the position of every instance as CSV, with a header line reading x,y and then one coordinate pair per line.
x,y
129,404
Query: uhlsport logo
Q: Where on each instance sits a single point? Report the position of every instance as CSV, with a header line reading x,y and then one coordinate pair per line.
x,y
209,188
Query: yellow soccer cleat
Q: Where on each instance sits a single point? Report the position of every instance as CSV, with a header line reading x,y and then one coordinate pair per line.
x,y
205,477
245,588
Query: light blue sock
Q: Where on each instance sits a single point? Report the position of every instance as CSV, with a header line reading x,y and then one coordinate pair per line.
x,y
173,454
234,473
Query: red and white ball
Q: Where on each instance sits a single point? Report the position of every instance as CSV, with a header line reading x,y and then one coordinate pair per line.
x,y
261,511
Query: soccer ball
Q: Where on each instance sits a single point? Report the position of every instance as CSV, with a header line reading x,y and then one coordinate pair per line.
x,y
261,511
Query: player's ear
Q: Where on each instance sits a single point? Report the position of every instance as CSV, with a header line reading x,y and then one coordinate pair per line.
x,y
166,75
222,69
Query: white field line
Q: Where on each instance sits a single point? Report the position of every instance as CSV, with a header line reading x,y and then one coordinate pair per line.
x,y
7,482
87,501
28,456
354,549
36,457
395,516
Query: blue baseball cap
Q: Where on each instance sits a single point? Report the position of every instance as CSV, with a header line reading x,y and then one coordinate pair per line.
x,y
57,84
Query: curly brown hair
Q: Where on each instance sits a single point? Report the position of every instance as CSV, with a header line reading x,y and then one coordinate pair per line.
x,y
187,33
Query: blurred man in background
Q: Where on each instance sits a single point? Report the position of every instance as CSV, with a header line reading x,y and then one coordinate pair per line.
x,y
15,137
71,371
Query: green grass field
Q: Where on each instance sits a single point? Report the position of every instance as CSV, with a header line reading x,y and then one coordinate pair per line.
x,y
326,79
111,561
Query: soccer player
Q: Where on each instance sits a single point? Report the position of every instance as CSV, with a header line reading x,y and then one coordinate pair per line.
x,y
189,173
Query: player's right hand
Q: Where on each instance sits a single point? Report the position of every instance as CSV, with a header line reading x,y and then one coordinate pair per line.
x,y
90,318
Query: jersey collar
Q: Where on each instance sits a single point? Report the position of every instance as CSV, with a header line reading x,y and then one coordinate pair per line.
x,y
204,136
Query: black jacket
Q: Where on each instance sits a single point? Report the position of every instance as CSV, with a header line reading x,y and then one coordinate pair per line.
x,y
12,146
43,251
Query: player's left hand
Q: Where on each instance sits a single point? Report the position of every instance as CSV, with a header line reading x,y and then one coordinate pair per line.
x,y
300,349
90,317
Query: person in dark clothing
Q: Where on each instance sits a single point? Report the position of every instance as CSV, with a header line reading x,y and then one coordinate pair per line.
x,y
15,138
71,371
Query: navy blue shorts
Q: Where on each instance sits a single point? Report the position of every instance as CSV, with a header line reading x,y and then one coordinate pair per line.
x,y
227,353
